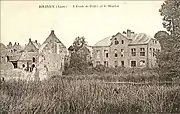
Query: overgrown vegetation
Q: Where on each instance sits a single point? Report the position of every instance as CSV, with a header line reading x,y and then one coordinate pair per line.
x,y
169,58
79,62
59,95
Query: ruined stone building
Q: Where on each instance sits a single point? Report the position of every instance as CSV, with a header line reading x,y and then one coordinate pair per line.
x,y
11,54
126,49
52,54
29,56
3,53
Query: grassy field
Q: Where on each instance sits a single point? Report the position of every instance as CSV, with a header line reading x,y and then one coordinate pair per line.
x,y
88,94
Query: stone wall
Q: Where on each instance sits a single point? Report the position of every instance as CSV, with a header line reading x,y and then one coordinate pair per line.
x,y
122,51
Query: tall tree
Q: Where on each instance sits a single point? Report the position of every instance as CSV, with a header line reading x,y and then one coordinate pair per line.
x,y
78,43
170,10
163,37
78,62
169,58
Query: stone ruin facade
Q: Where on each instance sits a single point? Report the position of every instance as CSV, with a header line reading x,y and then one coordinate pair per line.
x,y
42,61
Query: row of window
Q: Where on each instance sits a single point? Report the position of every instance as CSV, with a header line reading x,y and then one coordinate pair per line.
x,y
13,50
133,63
142,51
154,51
133,52
116,42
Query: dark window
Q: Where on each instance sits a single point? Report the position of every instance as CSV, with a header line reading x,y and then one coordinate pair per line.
x,y
33,66
142,52
106,54
7,58
97,62
33,59
133,52
122,41
154,53
133,63
106,63
14,64
122,52
115,64
116,42
122,63
115,53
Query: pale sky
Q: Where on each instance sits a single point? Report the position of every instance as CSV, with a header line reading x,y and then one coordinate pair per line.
x,y
23,20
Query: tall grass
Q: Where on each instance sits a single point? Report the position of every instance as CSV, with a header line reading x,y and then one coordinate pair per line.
x,y
59,95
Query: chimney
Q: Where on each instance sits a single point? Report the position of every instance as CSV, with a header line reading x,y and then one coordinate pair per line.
x,y
124,32
128,33
52,31
35,41
18,44
15,43
29,39
10,44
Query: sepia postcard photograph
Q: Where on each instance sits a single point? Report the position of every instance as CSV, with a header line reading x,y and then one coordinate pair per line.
x,y
90,57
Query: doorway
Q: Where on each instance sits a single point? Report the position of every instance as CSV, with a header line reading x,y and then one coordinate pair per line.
x,y
14,64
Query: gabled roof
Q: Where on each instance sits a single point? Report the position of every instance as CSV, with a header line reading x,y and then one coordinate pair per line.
x,y
52,38
122,34
104,42
17,47
37,45
2,46
140,38
136,39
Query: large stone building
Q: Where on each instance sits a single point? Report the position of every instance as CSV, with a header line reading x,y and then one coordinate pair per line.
x,y
52,54
126,49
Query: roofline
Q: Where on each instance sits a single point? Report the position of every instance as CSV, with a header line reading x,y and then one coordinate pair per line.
x,y
24,60
32,44
143,43
103,39
100,46
138,44
122,35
